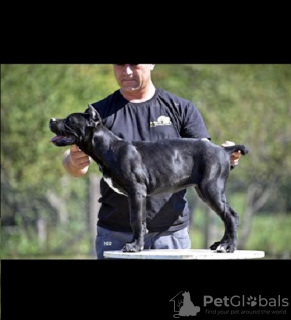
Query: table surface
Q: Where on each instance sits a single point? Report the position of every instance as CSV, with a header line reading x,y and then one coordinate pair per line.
x,y
185,254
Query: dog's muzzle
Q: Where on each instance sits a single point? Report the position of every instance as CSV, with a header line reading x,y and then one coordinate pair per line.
x,y
60,140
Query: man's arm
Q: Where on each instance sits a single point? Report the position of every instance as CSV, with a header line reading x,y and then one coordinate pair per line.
x,y
234,157
195,127
76,162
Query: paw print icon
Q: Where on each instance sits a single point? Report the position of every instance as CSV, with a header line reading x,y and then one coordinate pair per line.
x,y
251,301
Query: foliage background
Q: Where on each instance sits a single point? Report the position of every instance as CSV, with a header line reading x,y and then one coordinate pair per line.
x,y
44,211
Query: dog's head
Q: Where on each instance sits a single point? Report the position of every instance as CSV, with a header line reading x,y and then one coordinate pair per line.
x,y
74,128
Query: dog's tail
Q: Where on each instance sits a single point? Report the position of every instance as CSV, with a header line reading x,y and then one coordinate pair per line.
x,y
237,147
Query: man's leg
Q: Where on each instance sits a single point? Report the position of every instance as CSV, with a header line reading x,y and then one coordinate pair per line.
x,y
111,240
172,240
107,240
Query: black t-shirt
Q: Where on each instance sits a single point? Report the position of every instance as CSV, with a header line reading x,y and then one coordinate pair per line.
x,y
163,116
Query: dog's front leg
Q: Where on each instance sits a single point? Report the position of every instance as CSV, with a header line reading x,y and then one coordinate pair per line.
x,y
137,205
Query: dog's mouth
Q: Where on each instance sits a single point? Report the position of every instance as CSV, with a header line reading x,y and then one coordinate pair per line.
x,y
61,141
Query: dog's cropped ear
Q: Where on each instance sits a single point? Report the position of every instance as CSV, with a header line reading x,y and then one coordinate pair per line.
x,y
94,114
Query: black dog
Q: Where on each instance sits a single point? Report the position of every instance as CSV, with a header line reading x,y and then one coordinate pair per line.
x,y
142,169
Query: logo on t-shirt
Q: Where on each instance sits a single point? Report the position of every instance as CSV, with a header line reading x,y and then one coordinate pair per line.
x,y
161,121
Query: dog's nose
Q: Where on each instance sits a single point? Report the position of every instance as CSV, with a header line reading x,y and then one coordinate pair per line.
x,y
52,121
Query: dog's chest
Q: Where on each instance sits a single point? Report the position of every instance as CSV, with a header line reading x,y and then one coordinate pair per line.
x,y
110,184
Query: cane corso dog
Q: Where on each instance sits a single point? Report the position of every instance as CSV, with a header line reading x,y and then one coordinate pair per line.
x,y
141,169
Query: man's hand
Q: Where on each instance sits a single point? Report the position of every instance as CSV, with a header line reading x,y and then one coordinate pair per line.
x,y
234,157
79,160
76,161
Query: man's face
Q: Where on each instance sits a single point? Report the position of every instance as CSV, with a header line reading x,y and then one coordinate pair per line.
x,y
132,77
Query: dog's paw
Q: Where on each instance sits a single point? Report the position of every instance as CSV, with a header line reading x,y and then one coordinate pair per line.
x,y
132,247
214,245
223,247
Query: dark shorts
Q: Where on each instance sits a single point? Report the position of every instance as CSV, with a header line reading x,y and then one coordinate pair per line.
x,y
107,240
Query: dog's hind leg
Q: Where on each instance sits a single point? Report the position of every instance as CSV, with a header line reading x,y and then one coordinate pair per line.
x,y
228,243
137,204
213,194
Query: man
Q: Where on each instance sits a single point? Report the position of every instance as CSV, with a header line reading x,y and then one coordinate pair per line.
x,y
139,111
